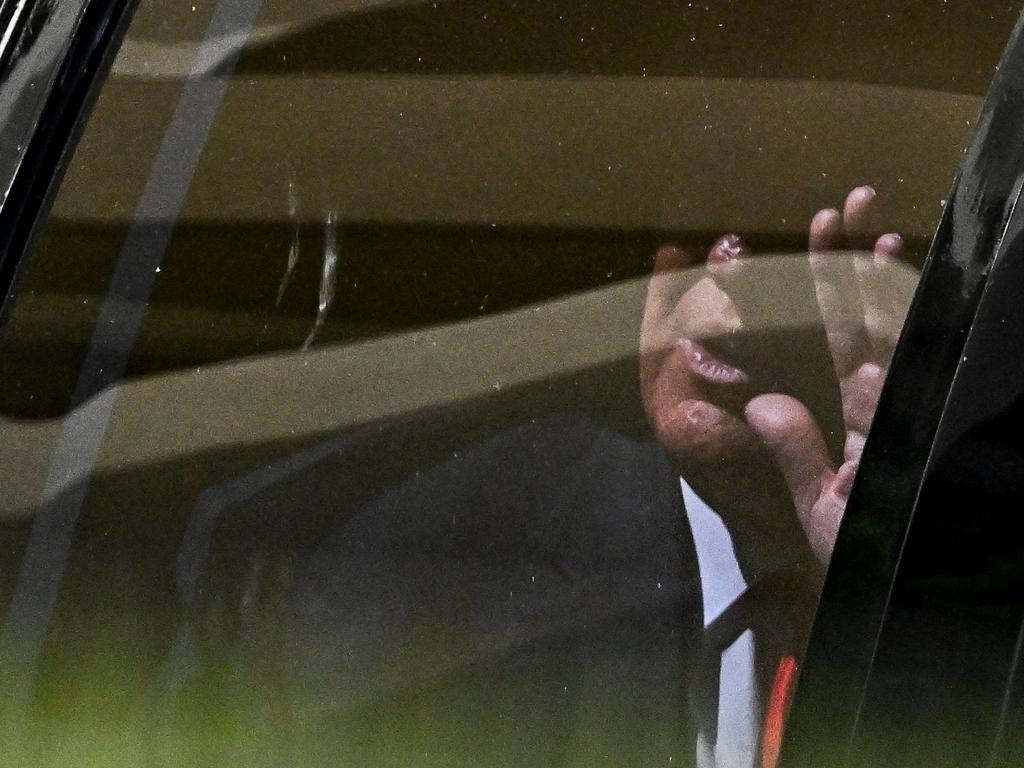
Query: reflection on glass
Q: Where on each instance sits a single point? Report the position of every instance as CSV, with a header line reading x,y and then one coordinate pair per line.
x,y
486,397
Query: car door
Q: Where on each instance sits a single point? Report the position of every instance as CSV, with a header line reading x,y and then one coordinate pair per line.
x,y
320,392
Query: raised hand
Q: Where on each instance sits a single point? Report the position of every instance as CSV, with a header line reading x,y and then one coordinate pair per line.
x,y
761,459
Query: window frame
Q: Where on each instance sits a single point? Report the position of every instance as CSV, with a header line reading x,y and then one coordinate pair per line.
x,y
54,62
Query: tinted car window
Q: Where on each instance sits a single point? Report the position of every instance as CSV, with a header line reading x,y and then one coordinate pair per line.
x,y
334,387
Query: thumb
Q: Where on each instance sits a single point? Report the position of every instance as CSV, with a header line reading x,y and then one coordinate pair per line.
x,y
796,444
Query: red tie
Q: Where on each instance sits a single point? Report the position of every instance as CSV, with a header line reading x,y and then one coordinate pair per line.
x,y
778,708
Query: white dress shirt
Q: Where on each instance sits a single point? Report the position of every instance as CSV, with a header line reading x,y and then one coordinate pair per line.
x,y
739,714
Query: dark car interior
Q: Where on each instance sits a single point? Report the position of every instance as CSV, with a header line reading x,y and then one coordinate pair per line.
x,y
381,178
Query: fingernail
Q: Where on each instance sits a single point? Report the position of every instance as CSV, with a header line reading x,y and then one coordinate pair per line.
x,y
670,258
826,228
728,248
889,245
866,190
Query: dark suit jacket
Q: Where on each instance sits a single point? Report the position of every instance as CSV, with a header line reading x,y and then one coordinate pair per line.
x,y
532,599
433,591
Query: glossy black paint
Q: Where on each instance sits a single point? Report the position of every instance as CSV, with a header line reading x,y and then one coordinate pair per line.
x,y
23,22
944,455
948,642
13,20
38,146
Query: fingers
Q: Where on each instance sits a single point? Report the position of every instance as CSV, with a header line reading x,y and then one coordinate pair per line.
x,y
665,286
889,246
821,524
860,392
796,443
883,295
727,264
685,371
831,230
860,217
687,391
704,306
704,311
700,436
725,258
793,438
673,365
835,285
663,292
858,308
826,232
685,309
842,312
670,258
862,298
854,446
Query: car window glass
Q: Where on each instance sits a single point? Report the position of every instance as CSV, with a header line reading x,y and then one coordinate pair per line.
x,y
462,382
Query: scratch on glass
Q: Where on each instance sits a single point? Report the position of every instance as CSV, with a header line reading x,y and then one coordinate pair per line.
x,y
293,251
327,279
